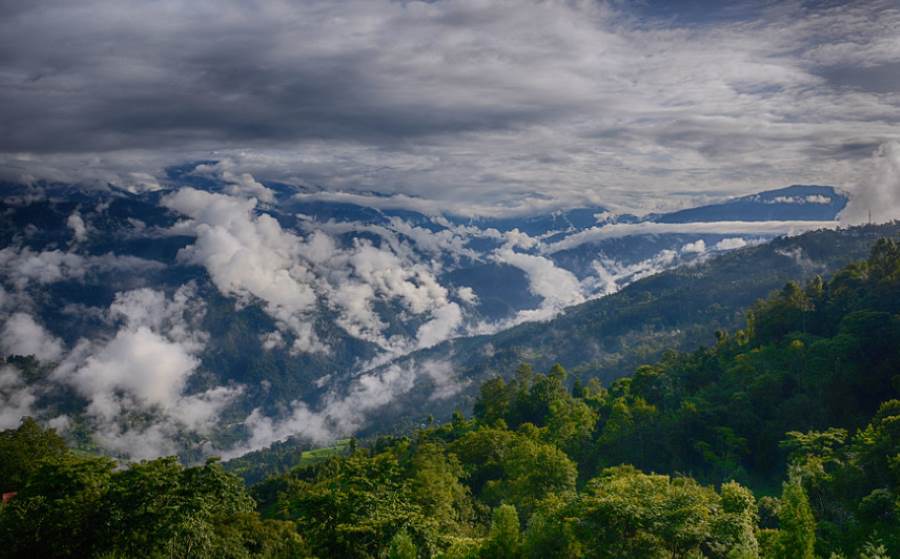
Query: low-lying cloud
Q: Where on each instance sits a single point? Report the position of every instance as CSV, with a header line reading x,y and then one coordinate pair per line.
x,y
620,230
878,197
343,413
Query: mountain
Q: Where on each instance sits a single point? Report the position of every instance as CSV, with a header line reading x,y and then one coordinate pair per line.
x,y
777,440
219,314
804,202
607,338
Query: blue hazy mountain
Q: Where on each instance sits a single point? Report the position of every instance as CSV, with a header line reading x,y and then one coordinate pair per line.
x,y
679,309
391,286
797,202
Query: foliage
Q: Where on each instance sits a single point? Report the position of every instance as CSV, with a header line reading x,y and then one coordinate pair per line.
x,y
798,527
402,547
503,540
23,449
75,506
549,466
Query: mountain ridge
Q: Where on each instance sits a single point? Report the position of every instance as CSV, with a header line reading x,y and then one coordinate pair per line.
x,y
273,305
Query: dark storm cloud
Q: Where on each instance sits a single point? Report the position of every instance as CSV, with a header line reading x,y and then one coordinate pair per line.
x,y
883,78
131,79
477,99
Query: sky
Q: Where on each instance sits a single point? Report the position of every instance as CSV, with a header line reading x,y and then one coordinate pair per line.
x,y
640,105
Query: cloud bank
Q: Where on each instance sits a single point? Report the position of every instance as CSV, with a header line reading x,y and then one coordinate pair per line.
x,y
619,103
878,198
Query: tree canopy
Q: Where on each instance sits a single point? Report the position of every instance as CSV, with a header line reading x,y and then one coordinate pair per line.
x,y
780,440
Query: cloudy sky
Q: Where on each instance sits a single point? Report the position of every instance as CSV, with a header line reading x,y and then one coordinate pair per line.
x,y
634,104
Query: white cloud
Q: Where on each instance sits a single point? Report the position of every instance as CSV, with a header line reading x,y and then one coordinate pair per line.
x,y
22,335
611,276
437,207
250,256
799,257
446,382
22,266
730,243
518,239
151,369
597,101
444,323
78,227
619,230
877,197
809,199
697,247
467,295
16,399
439,243
143,369
558,287
236,183
272,340
343,414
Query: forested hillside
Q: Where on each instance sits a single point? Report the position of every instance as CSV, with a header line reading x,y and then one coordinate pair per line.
x,y
782,440
283,299
610,337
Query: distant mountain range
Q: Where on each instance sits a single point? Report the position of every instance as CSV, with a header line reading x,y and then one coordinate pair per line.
x,y
220,314
607,338
798,202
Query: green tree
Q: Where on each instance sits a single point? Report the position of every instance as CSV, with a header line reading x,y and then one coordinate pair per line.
x,y
494,401
503,542
56,513
797,525
435,486
570,425
402,547
625,513
353,506
158,508
23,449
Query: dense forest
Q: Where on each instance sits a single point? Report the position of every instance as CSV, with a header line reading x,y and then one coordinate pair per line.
x,y
781,440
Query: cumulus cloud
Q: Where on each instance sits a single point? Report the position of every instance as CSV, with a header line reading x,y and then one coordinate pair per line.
x,y
467,295
250,256
150,369
698,247
800,258
236,183
444,322
730,243
78,227
446,382
877,198
272,340
144,369
364,274
22,335
22,266
16,399
133,381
